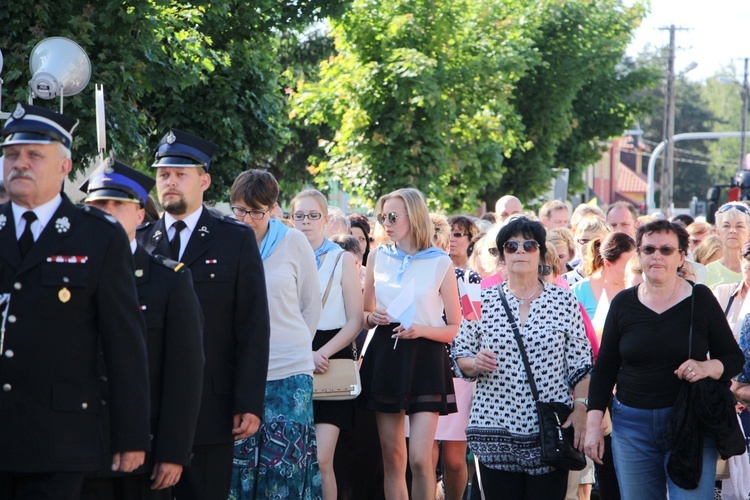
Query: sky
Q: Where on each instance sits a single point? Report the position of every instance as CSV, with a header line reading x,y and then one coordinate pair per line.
x,y
717,34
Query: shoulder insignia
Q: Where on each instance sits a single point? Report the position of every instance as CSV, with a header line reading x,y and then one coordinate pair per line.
x,y
87,209
3,221
144,226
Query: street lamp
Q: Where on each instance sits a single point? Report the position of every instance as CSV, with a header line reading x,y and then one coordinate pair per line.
x,y
744,94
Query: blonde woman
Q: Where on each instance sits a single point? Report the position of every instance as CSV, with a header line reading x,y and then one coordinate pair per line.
x,y
587,229
564,247
406,368
339,324
708,251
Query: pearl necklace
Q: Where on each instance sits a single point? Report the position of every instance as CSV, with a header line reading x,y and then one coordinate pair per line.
x,y
522,300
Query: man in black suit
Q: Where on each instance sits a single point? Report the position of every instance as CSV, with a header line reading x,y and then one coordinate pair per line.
x,y
174,340
229,280
66,277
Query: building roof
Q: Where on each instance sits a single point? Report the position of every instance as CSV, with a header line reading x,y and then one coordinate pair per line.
x,y
629,181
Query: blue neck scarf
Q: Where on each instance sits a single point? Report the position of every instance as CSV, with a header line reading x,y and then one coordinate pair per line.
x,y
326,247
276,232
394,251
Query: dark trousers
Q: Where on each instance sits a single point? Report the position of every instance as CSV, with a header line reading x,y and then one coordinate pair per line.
x,y
131,487
209,474
520,486
40,486
606,475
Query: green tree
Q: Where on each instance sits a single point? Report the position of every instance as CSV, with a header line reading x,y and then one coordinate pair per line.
x,y
208,68
419,95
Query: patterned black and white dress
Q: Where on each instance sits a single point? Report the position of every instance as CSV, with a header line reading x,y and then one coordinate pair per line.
x,y
503,430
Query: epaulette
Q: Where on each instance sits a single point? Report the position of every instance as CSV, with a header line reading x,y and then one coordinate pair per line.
x,y
144,226
168,263
98,213
231,220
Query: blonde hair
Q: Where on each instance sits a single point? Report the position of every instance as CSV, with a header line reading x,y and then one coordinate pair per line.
x,y
442,235
705,253
550,259
697,228
419,218
732,213
562,236
314,194
583,211
633,269
593,224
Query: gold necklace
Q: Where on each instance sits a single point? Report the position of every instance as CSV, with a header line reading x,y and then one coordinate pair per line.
x,y
522,300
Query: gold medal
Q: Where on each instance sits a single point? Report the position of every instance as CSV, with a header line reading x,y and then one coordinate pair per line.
x,y
63,295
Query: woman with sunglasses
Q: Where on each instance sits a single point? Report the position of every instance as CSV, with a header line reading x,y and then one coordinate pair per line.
x,y
406,368
645,352
260,469
339,324
503,431
732,222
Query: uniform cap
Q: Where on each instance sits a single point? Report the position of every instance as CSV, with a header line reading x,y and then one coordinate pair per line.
x,y
180,149
114,180
31,124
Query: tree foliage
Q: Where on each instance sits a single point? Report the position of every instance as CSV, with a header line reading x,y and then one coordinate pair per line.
x,y
207,68
468,99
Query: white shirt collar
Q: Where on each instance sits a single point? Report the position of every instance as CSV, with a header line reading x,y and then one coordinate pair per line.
x,y
133,246
190,221
43,213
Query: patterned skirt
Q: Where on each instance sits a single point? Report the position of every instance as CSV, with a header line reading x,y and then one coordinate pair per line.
x,y
280,460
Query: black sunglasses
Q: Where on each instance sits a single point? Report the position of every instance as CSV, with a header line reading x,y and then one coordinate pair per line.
x,y
493,251
458,235
666,250
391,217
528,246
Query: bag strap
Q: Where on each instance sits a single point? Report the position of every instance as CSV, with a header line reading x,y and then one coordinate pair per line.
x,y
519,340
731,299
692,308
330,280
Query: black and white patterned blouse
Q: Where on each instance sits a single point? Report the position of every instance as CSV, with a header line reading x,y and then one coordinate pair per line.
x,y
503,431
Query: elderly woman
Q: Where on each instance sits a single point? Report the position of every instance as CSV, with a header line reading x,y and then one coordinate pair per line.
x,y
503,428
731,296
732,221
645,352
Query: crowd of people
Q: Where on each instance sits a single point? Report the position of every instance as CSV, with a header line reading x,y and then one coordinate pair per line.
x,y
173,355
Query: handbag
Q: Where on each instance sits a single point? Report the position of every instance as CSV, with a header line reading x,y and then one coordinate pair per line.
x,y
556,442
341,381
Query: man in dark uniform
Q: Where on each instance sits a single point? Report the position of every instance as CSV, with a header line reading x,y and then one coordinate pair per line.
x,y
174,340
66,277
229,280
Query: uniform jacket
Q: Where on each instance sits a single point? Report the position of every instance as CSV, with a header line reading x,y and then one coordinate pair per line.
x,y
228,278
73,292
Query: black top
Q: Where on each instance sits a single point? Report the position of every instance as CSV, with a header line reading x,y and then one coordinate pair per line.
x,y
641,349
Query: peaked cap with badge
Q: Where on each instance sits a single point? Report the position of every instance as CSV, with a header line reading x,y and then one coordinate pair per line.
x,y
31,124
114,180
180,149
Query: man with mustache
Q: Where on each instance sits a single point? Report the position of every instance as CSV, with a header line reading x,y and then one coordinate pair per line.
x,y
67,290
229,280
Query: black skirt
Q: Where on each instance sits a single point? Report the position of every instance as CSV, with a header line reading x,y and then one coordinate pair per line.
x,y
338,413
413,377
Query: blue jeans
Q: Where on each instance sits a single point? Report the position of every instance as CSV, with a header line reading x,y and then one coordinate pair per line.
x,y
641,452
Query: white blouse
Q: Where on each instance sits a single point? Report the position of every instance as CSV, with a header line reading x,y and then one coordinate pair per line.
x,y
333,315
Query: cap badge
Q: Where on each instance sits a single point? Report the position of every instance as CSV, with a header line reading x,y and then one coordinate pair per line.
x,y
19,112
62,225
3,220
139,273
171,137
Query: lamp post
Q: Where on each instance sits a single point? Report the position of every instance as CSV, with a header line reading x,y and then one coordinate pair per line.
x,y
744,118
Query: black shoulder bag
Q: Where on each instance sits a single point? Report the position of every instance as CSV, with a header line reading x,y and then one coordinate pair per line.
x,y
557,443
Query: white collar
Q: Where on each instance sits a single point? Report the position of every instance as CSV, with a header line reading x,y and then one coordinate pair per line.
x,y
43,212
190,221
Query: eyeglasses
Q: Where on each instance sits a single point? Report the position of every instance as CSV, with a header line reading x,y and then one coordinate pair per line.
x,y
737,206
666,250
695,241
312,216
458,235
583,241
493,251
391,217
254,214
528,246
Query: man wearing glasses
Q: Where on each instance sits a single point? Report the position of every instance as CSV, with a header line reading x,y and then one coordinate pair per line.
x,y
229,281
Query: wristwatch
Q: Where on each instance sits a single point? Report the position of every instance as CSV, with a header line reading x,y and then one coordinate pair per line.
x,y
583,401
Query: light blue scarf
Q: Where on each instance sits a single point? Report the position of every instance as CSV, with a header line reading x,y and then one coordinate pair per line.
x,y
326,247
276,232
394,251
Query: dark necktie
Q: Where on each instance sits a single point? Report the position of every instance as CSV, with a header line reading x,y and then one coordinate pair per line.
x,y
27,238
174,245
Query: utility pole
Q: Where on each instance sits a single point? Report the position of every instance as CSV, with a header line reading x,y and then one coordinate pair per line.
x,y
667,169
744,117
